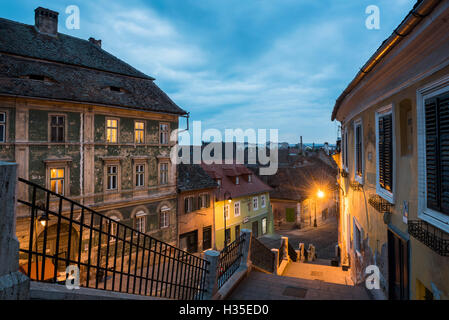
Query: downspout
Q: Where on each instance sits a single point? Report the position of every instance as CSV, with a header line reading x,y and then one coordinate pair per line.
x,y
415,16
82,157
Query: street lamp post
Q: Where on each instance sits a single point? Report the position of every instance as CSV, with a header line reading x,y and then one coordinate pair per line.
x,y
319,195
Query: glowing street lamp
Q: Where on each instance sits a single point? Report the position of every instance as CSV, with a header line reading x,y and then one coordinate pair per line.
x,y
320,195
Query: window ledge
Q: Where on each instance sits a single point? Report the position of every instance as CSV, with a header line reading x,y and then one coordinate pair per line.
x,y
385,194
436,219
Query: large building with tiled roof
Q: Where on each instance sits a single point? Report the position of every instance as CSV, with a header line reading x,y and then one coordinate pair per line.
x,y
83,123
242,201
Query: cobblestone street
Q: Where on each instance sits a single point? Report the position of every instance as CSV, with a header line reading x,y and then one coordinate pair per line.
x,y
324,237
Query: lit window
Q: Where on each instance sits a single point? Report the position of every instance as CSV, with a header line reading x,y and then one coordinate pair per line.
x,y
112,177
163,130
255,203
57,180
139,130
140,175
141,221
164,173
237,209
57,128
111,130
2,126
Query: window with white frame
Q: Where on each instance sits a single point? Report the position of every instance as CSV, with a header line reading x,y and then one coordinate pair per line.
x,y
163,132
112,177
163,173
140,175
189,204
358,150
204,201
2,126
262,201
255,203
385,153
141,221
357,237
433,139
165,217
236,209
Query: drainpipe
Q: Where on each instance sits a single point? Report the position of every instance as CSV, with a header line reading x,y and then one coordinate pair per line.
x,y
415,16
82,157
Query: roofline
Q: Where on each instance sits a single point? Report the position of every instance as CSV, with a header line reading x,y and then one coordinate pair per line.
x,y
144,76
93,104
421,9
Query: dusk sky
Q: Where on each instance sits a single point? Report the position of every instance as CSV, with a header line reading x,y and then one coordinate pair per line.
x,y
238,63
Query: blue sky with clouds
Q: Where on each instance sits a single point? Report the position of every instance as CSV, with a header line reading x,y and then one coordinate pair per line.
x,y
238,63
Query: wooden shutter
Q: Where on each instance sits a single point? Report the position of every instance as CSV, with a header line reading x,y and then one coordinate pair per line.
x,y
207,200
432,162
358,149
437,153
385,145
443,117
186,205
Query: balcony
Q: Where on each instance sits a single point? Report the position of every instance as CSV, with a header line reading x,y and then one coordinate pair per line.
x,y
432,237
355,185
380,204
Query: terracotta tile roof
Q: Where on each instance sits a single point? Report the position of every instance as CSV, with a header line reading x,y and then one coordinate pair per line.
x,y
77,70
226,172
193,177
300,182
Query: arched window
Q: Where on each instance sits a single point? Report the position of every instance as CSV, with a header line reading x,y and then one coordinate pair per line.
x,y
141,221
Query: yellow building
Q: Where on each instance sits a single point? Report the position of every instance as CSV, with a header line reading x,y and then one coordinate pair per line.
x,y
242,201
393,166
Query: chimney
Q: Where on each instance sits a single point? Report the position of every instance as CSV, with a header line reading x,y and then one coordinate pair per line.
x,y
95,41
300,145
46,21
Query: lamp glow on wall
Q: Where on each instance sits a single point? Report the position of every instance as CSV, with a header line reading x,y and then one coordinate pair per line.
x,y
319,195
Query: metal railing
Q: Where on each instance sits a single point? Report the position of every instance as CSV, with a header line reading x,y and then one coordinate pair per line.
x,y
229,260
292,253
432,237
261,256
380,204
108,254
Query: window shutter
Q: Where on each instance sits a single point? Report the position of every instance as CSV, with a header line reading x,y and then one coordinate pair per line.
x,y
207,200
386,152
358,149
200,202
443,117
432,154
186,205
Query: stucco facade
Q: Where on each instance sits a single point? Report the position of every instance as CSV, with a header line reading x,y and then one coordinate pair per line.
x,y
397,86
